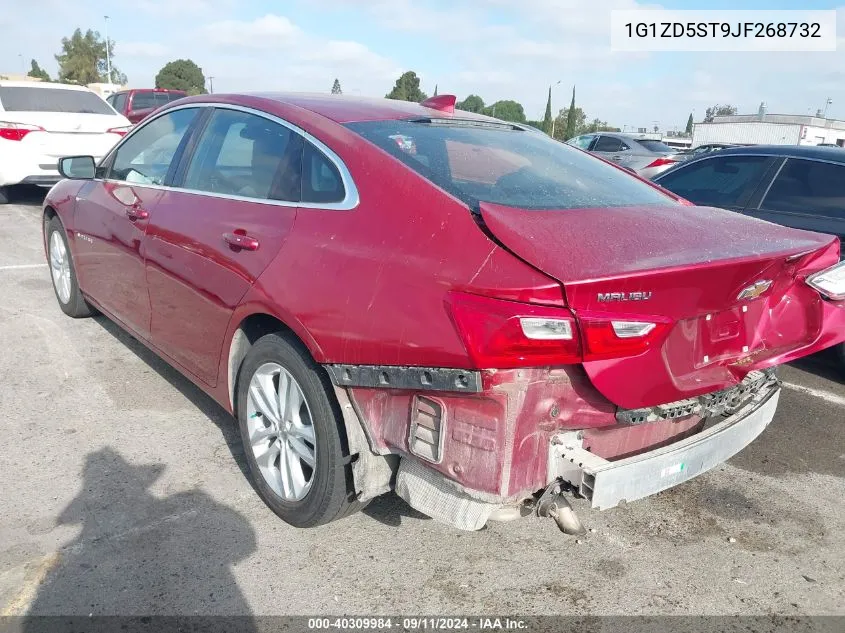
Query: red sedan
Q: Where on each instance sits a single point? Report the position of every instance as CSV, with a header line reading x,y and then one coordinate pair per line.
x,y
398,295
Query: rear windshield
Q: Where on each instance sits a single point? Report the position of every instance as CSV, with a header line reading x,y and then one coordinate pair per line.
x,y
142,100
655,146
25,99
500,164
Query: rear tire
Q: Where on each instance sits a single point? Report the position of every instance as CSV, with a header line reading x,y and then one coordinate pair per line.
x,y
63,273
281,434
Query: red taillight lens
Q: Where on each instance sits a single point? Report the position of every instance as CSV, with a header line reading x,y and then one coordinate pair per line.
x,y
501,334
16,131
618,336
660,162
120,131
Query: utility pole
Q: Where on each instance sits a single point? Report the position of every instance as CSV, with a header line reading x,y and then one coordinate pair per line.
x,y
108,54
23,64
211,84
553,114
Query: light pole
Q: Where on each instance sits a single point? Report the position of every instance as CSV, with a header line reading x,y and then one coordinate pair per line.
x,y
826,104
211,84
553,116
23,65
108,55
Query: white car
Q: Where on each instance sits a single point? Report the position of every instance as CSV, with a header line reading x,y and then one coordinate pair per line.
x,y
41,122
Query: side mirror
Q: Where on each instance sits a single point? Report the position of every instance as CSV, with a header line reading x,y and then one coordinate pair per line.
x,y
77,167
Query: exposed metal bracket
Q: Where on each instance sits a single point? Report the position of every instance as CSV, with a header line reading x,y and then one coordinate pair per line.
x,y
415,378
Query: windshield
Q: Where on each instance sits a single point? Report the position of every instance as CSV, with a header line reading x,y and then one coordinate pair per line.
x,y
503,165
25,99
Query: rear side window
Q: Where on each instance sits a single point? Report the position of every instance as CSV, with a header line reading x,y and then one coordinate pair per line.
x,y
478,162
242,154
722,181
145,157
321,182
26,99
806,186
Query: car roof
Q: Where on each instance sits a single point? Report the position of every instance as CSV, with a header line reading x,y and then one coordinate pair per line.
x,y
346,109
43,84
833,154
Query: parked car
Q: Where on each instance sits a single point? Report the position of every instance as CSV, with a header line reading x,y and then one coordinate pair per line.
x,y
646,156
139,103
387,293
40,122
798,186
707,148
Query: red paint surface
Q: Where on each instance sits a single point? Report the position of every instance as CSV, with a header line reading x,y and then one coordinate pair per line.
x,y
369,286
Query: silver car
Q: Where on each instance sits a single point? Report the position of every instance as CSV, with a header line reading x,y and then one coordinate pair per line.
x,y
645,156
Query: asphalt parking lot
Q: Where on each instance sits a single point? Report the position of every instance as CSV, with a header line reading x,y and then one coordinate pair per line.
x,y
124,493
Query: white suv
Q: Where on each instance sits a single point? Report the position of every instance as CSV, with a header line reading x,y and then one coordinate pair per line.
x,y
41,122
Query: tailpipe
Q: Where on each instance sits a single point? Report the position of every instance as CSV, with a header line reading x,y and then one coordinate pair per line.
x,y
553,504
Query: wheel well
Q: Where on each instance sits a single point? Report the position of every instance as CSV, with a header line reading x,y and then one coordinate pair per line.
x,y
49,214
250,330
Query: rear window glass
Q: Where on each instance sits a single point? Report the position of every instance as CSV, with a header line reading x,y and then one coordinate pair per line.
x,y
25,99
499,164
143,100
655,146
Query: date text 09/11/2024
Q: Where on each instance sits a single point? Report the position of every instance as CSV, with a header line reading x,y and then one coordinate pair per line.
x,y
416,624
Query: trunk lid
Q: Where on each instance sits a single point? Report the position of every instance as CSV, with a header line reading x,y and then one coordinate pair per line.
x,y
730,289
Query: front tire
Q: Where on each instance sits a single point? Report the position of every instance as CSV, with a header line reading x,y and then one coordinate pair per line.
x,y
292,434
63,273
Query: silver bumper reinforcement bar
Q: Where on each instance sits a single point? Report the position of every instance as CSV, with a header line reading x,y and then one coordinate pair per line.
x,y
606,484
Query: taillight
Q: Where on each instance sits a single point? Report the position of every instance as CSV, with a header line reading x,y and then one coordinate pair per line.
x,y
615,336
660,162
120,131
502,334
16,131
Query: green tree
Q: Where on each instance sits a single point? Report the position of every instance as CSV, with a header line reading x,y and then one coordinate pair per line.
x,y
336,90
507,110
571,122
181,74
719,110
473,103
597,125
83,59
407,88
689,124
547,119
562,119
38,72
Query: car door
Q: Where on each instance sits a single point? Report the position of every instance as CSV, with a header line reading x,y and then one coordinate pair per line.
x,y
113,214
806,194
213,234
718,180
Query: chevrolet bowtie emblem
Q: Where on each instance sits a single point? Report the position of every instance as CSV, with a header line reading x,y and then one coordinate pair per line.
x,y
754,290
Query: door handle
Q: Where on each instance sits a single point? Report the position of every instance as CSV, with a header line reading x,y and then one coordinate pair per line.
x,y
239,239
615,158
137,213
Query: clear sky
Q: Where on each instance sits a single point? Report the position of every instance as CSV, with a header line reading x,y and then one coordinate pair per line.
x,y
498,49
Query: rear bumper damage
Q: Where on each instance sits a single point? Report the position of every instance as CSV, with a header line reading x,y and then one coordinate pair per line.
x,y
608,483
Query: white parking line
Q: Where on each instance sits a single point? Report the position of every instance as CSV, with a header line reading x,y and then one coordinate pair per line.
x,y
22,266
818,393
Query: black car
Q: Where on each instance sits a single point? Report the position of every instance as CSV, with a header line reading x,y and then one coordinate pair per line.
x,y
801,187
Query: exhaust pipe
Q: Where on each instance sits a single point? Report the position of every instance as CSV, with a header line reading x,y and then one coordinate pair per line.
x,y
553,504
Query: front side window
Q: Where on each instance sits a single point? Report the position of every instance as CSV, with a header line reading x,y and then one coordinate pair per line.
x,y
242,154
481,162
119,102
721,181
807,186
583,141
145,157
